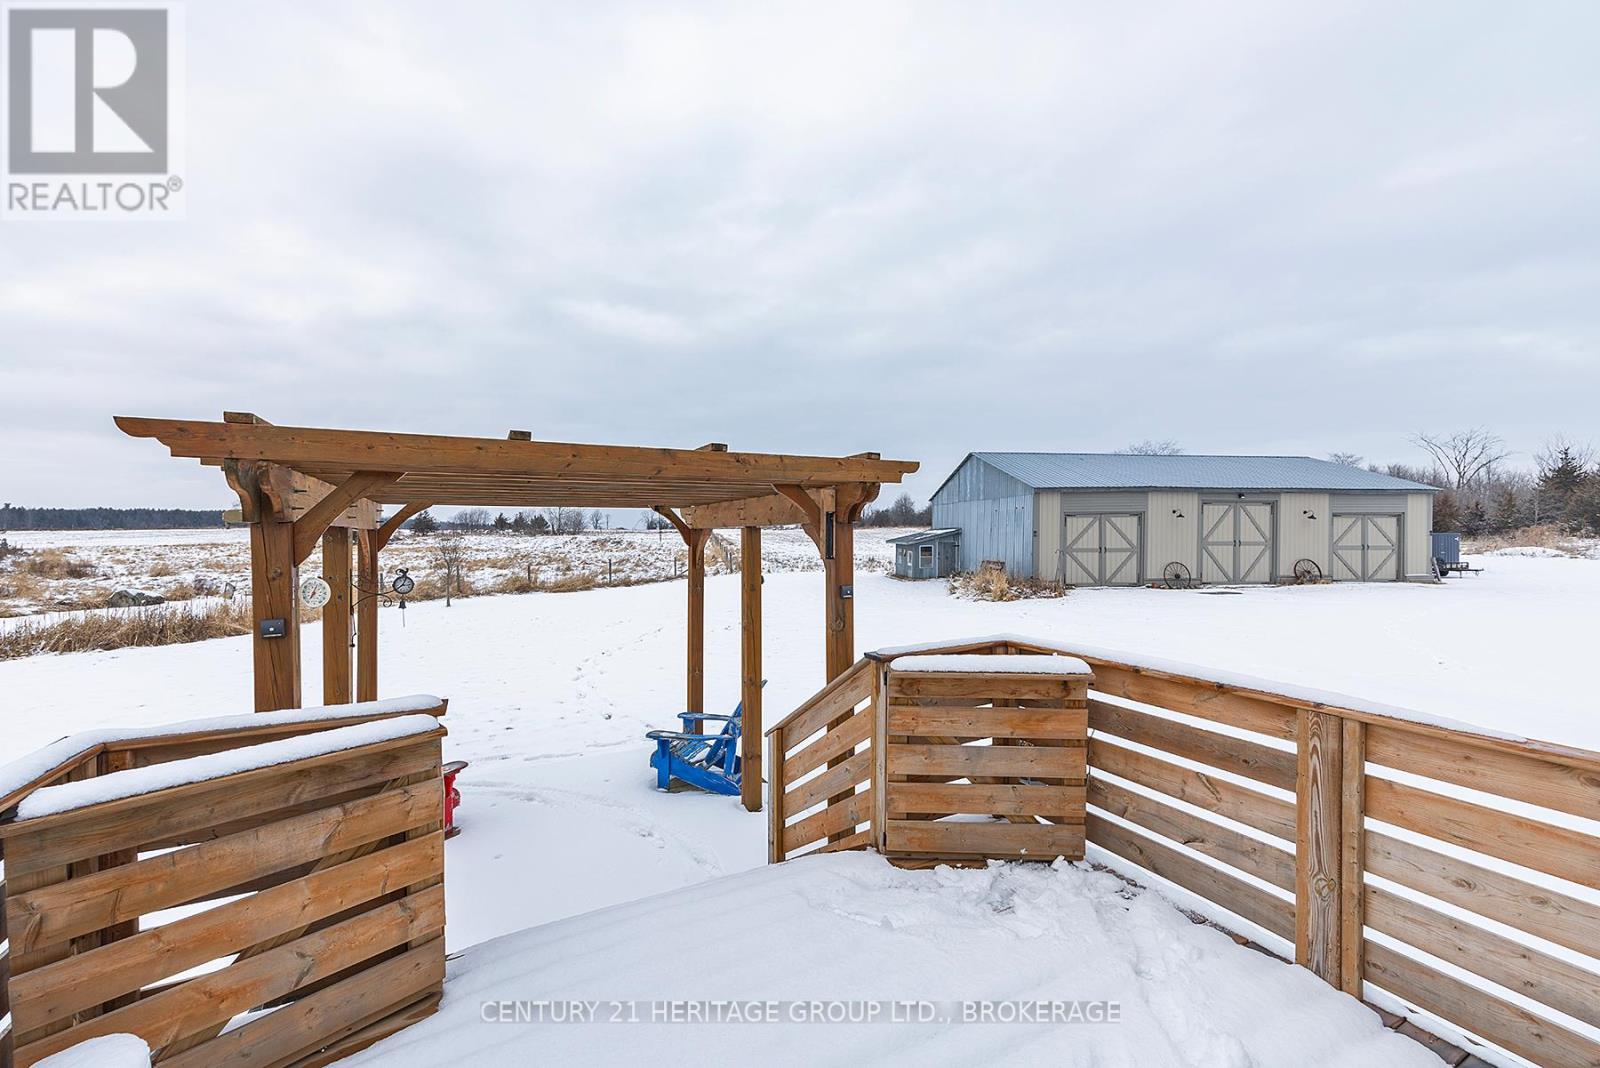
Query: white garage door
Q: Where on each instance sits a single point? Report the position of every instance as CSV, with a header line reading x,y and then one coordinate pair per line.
x,y
1366,548
1100,550
1235,542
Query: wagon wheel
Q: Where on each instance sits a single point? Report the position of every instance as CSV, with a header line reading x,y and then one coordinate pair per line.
x,y
1307,571
1175,576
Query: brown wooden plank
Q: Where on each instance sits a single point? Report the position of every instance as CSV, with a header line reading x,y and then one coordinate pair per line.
x,y
837,742
1318,837
336,617
776,814
906,685
970,722
1261,859
1465,761
274,595
52,993
1226,891
130,821
219,996
831,781
375,1030
1035,841
1196,697
843,816
1478,1012
1275,767
994,761
1352,855
368,549
1559,851
68,909
1240,803
1538,910
992,799
750,667
839,698
1539,976
859,840
318,1019
314,449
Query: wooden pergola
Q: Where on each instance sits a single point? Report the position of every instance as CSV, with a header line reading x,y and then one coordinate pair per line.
x,y
301,486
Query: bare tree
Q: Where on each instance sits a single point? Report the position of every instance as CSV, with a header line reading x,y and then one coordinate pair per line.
x,y
597,519
452,557
1464,456
1149,447
1348,459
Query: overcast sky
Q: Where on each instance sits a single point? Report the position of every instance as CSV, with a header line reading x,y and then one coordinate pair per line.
x,y
915,229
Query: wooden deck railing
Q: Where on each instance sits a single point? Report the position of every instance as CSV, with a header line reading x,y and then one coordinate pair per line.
x,y
1452,869
822,754
334,862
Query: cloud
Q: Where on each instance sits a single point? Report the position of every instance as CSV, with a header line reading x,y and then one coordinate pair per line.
x,y
911,228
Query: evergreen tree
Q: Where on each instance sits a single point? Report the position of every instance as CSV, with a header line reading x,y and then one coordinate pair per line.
x,y
423,523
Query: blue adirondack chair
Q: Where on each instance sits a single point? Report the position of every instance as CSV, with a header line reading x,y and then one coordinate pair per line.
x,y
707,761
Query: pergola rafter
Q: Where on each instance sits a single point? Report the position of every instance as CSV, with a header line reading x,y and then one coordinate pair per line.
x,y
301,485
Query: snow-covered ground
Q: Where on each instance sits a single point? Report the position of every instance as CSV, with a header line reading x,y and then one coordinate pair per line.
x,y
849,934
551,693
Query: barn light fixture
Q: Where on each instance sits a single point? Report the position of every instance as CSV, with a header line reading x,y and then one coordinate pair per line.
x,y
1309,514
1177,513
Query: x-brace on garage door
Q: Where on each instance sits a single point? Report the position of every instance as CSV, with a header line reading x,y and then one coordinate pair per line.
x,y
1366,548
1235,542
1100,550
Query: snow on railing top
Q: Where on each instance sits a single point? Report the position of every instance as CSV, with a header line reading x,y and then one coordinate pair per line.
x,y
1292,692
16,774
153,777
975,662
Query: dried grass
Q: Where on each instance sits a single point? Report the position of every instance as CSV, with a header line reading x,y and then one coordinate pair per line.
x,y
55,564
993,584
159,625
1543,536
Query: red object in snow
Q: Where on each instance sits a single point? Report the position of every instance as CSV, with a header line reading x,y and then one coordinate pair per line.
x,y
452,796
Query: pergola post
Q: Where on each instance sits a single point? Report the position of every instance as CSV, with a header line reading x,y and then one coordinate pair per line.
x,y
695,697
367,615
750,665
275,614
840,570
336,617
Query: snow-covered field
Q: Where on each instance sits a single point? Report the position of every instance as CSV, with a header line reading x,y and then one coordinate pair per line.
x,y
551,693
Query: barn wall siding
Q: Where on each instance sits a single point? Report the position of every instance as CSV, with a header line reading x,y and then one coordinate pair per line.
x,y
995,513
1170,538
1419,546
1300,537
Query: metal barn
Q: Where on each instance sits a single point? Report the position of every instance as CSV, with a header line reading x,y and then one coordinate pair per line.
x,y
927,554
1098,519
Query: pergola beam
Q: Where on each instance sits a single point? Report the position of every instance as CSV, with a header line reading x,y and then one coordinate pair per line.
x,y
308,528
360,450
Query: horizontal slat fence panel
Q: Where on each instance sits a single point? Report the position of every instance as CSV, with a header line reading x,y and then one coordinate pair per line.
x,y
1326,843
340,860
828,769
1499,1021
1539,910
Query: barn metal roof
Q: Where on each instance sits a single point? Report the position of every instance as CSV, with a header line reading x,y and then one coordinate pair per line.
x,y
1092,470
923,535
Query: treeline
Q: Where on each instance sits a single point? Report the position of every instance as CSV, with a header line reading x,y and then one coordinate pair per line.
x,y
1480,493
902,513
542,521
16,517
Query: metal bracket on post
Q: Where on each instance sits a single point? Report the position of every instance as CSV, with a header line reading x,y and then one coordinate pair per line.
x,y
827,536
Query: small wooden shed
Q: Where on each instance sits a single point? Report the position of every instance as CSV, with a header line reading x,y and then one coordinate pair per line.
x,y
927,553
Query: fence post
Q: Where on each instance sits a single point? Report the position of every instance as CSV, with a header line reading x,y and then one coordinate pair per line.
x,y
775,788
1353,859
880,755
1319,834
